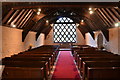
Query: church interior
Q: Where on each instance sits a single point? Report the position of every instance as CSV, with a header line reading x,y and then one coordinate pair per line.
x,y
60,41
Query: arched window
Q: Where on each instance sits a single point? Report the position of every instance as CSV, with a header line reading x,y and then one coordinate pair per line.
x,y
64,30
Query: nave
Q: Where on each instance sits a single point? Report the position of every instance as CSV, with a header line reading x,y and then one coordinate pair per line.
x,y
60,40
82,62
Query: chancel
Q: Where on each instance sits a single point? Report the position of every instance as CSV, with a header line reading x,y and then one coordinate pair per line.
x,y
60,41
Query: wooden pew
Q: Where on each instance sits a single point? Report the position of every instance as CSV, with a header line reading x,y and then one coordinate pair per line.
x,y
87,64
82,59
47,59
40,54
92,52
96,56
49,53
103,73
93,55
36,55
31,64
89,49
23,73
45,49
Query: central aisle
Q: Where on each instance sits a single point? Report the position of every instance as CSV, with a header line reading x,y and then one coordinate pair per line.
x,y
65,67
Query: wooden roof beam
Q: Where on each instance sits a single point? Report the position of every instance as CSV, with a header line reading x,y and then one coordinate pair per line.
x,y
63,4
113,16
27,19
20,19
100,15
16,19
119,4
102,28
91,23
105,17
90,30
116,13
106,34
27,29
29,25
24,18
46,31
82,32
41,27
7,16
12,17
111,20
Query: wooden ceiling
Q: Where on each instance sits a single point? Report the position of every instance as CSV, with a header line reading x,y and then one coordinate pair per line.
x,y
23,15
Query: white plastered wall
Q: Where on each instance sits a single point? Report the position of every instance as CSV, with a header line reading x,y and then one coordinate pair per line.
x,y
112,46
40,40
12,41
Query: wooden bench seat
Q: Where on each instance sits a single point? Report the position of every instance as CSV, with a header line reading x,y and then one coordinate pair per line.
x,y
42,53
36,55
23,73
30,64
87,64
82,59
88,53
94,55
96,64
47,59
92,52
103,73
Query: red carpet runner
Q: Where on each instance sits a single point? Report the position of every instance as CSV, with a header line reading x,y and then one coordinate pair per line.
x,y
65,67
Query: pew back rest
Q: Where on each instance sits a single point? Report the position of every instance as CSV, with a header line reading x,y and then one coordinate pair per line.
x,y
22,72
103,73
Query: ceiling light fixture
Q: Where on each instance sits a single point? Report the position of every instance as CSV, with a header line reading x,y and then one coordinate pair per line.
x,y
90,9
91,12
82,20
38,13
13,26
39,9
47,21
117,24
116,7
